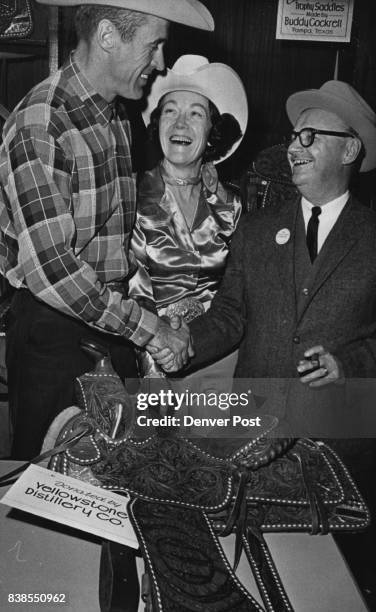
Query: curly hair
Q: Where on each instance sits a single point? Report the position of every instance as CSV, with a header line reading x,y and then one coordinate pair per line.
x,y
225,131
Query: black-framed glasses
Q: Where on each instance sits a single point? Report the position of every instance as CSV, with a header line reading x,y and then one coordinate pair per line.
x,y
307,135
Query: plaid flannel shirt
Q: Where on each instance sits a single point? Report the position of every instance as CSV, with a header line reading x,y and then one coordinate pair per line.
x,y
68,204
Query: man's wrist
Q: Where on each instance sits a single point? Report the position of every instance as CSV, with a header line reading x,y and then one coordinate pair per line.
x,y
341,374
147,328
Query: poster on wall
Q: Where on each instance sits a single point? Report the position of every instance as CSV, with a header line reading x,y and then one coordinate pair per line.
x,y
321,20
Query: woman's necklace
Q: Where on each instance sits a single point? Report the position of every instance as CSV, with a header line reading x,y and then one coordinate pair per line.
x,y
187,199
180,182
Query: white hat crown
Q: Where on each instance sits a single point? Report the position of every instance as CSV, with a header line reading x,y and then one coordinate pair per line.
x,y
189,64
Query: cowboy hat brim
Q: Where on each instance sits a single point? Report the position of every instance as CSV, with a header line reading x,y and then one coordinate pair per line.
x,y
188,12
356,114
217,82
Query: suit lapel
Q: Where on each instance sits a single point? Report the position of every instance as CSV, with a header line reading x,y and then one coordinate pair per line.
x,y
346,232
285,251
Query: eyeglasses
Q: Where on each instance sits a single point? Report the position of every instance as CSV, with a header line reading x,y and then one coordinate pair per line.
x,y
307,135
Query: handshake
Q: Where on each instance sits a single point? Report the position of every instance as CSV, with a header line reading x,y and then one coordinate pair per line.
x,y
171,347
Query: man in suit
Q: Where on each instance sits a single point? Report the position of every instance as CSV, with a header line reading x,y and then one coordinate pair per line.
x,y
301,279
283,307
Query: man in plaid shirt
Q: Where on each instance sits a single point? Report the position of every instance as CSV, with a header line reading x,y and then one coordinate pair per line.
x,y
67,209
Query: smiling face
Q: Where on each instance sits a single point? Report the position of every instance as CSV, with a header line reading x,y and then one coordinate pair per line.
x,y
133,62
321,171
184,127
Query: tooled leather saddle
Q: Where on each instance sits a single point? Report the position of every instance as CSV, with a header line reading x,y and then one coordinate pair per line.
x,y
184,495
15,19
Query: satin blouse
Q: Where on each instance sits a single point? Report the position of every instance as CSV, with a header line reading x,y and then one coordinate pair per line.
x,y
175,261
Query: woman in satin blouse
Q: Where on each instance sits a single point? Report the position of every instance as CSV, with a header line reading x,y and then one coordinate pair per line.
x,y
185,217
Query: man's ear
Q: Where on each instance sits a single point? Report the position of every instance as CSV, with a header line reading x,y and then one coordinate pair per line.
x,y
107,35
352,149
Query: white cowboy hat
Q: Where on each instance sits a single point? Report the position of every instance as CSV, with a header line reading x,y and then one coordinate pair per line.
x,y
343,100
188,12
217,82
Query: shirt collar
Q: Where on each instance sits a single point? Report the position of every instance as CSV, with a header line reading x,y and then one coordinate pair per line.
x,y
331,209
103,111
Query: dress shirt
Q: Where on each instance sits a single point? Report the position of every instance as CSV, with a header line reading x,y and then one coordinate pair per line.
x,y
68,204
329,215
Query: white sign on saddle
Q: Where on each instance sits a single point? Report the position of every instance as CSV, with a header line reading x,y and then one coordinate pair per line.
x,y
74,503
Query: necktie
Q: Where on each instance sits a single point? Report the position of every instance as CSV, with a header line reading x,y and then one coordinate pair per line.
x,y
312,228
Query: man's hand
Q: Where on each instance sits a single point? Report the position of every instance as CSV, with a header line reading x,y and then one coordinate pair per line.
x,y
171,346
329,370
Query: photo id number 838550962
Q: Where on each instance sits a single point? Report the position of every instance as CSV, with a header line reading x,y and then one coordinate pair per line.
x,y
40,598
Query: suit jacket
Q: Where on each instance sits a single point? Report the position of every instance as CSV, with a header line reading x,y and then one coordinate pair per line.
x,y
256,305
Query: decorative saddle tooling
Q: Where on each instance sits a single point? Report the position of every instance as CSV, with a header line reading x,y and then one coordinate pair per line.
x,y
185,494
15,19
